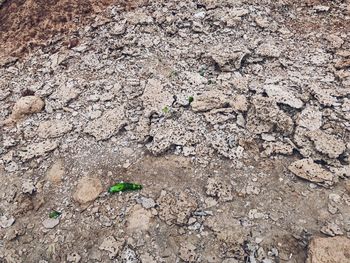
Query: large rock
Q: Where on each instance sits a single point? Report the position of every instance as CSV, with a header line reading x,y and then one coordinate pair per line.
x,y
311,171
88,189
53,128
107,125
327,144
37,149
284,95
329,250
25,106
155,97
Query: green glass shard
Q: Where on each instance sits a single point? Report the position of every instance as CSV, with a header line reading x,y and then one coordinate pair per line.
x,y
54,214
121,187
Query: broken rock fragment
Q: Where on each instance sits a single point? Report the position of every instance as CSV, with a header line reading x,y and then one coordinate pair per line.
x,y
112,246
53,128
229,59
310,118
155,97
176,209
107,125
326,143
311,171
37,149
25,106
283,95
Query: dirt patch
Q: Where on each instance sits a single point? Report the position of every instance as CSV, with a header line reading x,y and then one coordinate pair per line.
x,y
27,24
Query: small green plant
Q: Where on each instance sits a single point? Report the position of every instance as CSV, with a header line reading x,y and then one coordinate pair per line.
x,y
174,74
190,99
165,110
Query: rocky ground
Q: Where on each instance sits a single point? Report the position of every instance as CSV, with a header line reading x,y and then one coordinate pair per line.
x,y
233,115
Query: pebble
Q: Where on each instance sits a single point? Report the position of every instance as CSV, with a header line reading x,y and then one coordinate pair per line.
x,y
50,223
6,222
88,189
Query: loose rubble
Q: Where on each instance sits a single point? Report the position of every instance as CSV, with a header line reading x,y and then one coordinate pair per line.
x,y
233,115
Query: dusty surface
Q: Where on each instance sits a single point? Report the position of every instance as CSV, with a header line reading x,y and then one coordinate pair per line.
x,y
251,170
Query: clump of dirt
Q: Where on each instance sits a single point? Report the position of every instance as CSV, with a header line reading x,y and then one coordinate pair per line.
x,y
27,24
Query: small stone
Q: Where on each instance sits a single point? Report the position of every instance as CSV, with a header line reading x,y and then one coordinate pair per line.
x,y
347,187
331,229
88,189
313,172
321,8
310,118
28,187
146,202
187,252
111,245
50,223
283,95
74,257
6,222
328,250
25,106
56,172
129,255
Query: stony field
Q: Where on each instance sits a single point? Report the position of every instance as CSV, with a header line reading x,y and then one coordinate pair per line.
x,y
234,116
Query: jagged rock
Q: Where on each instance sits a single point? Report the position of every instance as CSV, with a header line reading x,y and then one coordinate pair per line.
x,y
37,149
264,117
187,252
326,143
212,99
108,125
139,219
88,189
310,118
283,95
6,222
25,106
54,128
328,250
111,245
65,93
311,171
228,58
155,98
74,257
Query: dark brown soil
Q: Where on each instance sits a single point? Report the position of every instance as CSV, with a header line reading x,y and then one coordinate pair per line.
x,y
26,24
